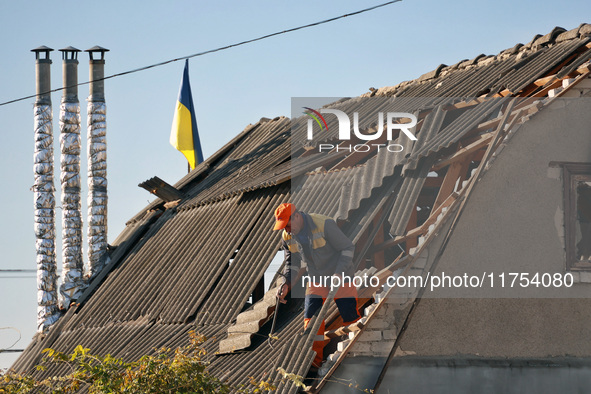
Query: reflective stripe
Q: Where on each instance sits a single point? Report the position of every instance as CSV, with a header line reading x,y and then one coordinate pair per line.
x,y
347,253
318,243
318,240
319,338
317,234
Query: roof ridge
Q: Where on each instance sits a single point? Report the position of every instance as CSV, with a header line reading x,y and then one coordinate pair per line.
x,y
555,36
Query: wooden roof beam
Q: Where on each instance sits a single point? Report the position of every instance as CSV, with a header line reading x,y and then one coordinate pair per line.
x,y
462,154
433,181
524,103
531,90
420,230
455,173
544,80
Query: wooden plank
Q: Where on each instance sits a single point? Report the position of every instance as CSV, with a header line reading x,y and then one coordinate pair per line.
x,y
573,84
529,110
544,80
455,171
357,326
161,189
415,232
546,89
478,155
308,151
432,181
465,104
461,154
412,242
493,123
434,214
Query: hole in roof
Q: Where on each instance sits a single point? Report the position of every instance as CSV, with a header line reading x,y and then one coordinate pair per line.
x,y
233,257
272,269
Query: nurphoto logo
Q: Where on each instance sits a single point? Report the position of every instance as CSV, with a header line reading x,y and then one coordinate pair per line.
x,y
393,122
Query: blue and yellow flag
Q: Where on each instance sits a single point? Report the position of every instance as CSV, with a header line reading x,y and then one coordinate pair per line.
x,y
184,136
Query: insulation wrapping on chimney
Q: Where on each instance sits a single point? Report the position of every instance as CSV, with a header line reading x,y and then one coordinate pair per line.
x,y
44,200
97,186
72,265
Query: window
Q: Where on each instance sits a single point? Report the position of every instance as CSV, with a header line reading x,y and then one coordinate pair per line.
x,y
577,215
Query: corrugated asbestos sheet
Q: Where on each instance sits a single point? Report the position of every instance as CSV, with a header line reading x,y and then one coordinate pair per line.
x,y
337,193
195,266
455,130
549,58
413,178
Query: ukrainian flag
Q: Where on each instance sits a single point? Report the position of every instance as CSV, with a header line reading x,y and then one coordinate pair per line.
x,y
184,136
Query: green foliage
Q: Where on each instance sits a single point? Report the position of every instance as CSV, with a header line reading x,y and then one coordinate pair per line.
x,y
296,379
171,371
182,370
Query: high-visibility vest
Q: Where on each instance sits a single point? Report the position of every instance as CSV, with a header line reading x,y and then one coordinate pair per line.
x,y
317,234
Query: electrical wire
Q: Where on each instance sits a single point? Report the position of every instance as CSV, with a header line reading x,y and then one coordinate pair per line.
x,y
209,51
9,273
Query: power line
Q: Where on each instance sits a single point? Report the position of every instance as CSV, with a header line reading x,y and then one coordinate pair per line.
x,y
209,51
25,271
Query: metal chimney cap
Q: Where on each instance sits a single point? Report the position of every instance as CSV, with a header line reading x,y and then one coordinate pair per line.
x,y
42,48
70,53
70,49
97,49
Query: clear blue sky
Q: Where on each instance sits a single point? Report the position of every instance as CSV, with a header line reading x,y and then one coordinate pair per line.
x,y
230,89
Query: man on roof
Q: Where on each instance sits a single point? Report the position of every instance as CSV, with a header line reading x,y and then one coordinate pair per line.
x,y
317,241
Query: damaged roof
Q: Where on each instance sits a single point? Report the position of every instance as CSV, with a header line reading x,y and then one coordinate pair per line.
x,y
198,263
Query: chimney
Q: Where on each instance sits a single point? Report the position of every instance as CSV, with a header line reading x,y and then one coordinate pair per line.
x,y
97,163
72,265
44,195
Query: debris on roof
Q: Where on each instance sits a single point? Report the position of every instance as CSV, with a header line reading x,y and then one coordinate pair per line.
x,y
161,189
